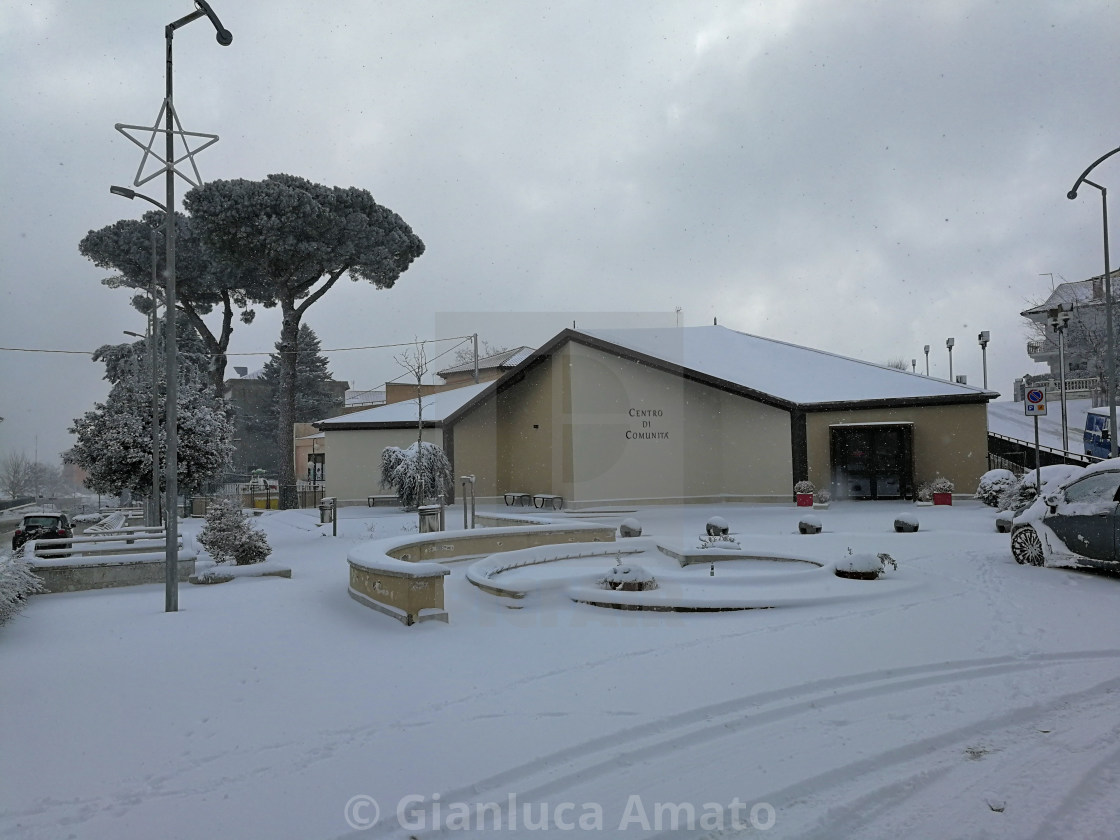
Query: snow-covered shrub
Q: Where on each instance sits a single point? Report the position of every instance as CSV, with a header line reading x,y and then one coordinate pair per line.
x,y
941,485
804,487
823,497
229,535
404,471
992,484
925,492
1018,495
17,581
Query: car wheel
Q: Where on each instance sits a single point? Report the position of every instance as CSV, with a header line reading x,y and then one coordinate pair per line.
x,y
1026,547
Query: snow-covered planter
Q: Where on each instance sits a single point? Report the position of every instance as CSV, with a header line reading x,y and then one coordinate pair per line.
x,y
717,527
864,566
628,577
804,491
906,523
822,499
229,535
630,528
992,484
942,490
809,524
17,581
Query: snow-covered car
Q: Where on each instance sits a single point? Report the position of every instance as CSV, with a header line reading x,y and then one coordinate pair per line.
x,y
42,526
1076,524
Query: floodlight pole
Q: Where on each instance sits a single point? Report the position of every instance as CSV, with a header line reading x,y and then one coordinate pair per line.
x,y
927,359
949,342
1110,388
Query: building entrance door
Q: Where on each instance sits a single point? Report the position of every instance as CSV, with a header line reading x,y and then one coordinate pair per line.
x,y
872,461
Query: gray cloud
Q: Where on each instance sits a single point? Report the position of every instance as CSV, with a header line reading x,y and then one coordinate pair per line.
x,y
863,177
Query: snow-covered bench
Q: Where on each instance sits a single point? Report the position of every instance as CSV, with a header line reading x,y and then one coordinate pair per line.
x,y
104,560
109,523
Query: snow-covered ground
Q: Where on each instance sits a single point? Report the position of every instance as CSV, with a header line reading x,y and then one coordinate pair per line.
x,y
962,696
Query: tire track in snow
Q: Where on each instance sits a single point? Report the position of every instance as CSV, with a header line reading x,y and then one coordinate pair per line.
x,y
546,775
852,820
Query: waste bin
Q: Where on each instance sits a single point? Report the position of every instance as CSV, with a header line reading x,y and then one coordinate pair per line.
x,y
430,518
326,510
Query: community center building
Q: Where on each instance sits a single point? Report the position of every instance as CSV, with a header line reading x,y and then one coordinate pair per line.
x,y
686,414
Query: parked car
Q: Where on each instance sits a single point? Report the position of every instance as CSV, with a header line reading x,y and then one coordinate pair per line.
x,y
42,526
1076,524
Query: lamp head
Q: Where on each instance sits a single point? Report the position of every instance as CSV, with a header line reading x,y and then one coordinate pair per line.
x,y
1072,194
927,349
224,36
122,191
949,342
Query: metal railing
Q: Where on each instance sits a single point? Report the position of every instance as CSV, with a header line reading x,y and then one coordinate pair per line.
x,y
1019,455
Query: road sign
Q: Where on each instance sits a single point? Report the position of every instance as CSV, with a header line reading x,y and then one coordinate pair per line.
x,y
1035,403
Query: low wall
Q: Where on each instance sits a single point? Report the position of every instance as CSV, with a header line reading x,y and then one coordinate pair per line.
x,y
398,578
79,574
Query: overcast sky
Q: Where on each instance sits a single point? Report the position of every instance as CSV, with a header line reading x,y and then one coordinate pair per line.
x,y
861,177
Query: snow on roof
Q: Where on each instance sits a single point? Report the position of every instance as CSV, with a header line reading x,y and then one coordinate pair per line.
x,y
369,397
504,359
1065,294
437,407
788,372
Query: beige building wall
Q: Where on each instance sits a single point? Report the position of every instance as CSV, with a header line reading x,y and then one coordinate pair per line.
x,y
641,434
354,464
475,450
534,455
950,440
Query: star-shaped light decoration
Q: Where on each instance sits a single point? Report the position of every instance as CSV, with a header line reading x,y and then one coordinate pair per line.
x,y
149,151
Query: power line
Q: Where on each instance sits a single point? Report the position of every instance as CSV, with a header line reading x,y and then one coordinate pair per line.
x,y
258,352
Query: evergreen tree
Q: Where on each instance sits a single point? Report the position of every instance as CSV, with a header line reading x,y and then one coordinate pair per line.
x,y
114,442
314,399
229,535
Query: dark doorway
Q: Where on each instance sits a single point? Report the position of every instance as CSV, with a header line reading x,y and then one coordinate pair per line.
x,y
872,461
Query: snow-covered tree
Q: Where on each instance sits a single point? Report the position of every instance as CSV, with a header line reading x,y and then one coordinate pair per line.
x,y
299,238
114,444
230,536
204,284
17,581
422,468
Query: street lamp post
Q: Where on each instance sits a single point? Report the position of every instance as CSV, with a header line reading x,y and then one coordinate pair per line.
x,y
170,121
927,359
984,338
949,342
1110,387
151,515
1059,320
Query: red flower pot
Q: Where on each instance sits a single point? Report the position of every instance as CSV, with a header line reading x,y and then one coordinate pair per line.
x,y
804,499
942,498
